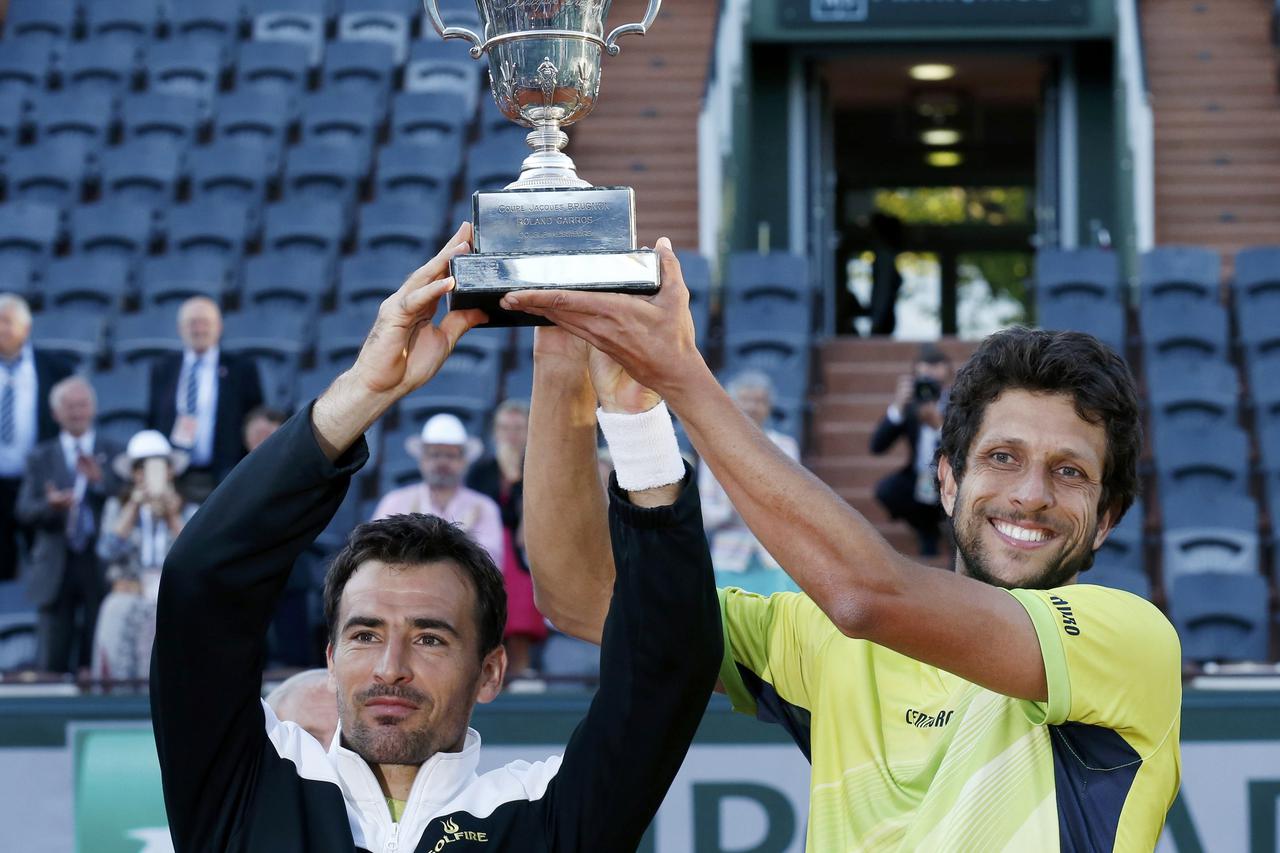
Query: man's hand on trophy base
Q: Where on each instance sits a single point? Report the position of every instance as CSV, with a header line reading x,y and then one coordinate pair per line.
x,y
404,348
651,337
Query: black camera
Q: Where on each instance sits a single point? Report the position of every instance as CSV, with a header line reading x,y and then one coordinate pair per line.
x,y
926,390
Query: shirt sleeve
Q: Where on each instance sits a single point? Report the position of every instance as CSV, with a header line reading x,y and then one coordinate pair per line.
x,y
1111,659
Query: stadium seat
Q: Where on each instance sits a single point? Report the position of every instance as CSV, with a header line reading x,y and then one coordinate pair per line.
x,y
494,163
449,392
370,277
384,21
158,115
330,540
494,123
417,174
431,118
1264,387
1121,561
310,384
169,280
122,400
697,277
141,337
359,69
399,227
1104,319
1196,394
211,227
299,22
24,66
77,335
333,117
144,172
19,645
286,282
312,226
229,170
216,22
767,292
106,66
49,21
1259,332
399,469
17,274
11,119
1212,460
255,118
1257,281
119,229
185,66
1183,327
1084,272
785,358
131,21
52,173
1187,271
1221,616
340,335
77,115
325,172
274,67
86,283
30,229
276,334
438,66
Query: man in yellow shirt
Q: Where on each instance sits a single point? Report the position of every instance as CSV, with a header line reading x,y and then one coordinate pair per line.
x,y
1002,707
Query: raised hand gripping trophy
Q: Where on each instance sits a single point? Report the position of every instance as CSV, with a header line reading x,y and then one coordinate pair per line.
x,y
550,229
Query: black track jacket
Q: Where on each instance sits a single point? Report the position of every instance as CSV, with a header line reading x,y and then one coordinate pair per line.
x,y
238,779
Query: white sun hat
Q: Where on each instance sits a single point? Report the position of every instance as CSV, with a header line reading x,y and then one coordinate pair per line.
x,y
148,444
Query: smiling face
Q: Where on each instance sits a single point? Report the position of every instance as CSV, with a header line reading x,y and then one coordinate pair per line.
x,y
406,661
1026,511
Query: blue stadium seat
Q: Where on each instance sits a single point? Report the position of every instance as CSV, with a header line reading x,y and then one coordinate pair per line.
x,y
255,118
324,172
417,174
332,117
86,283
495,162
144,171
385,21
1183,327
228,170
11,119
122,400
102,65
77,335
30,229
1221,616
494,123
286,282
431,118
118,229
1257,279
299,22
1189,271
24,66
305,225
359,69
370,277
1215,461
399,469
214,21
274,67
275,334
768,293
1102,318
17,274
1196,394
209,227
1264,386
132,21
168,280
400,227
51,22
696,270
438,66
310,384
190,67
450,392
78,115
1120,562
157,115
141,337
1084,272
340,335
784,357
52,173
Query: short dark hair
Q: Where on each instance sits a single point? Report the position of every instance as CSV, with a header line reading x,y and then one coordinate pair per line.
x,y
1070,363
414,539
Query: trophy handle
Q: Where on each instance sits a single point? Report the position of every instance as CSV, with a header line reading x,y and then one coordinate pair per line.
x,y
611,43
433,12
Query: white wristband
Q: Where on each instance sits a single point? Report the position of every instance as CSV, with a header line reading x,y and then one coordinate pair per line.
x,y
643,447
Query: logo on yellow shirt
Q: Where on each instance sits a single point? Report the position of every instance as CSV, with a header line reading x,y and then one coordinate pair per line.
x,y
921,720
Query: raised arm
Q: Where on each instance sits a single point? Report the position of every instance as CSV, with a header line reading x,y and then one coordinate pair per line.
x,y
864,586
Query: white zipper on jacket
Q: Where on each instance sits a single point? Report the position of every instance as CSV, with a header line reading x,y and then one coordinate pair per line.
x,y
392,845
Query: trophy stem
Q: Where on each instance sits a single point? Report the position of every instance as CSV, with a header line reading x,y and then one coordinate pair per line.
x,y
548,166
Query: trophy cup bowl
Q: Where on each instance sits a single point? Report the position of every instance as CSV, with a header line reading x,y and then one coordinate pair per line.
x,y
549,229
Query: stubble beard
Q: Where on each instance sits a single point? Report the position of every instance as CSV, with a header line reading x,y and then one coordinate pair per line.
x,y
391,743
975,562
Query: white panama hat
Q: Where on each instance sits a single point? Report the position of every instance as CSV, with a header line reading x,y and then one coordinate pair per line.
x,y
148,444
444,429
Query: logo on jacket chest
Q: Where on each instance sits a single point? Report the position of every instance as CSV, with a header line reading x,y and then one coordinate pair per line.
x,y
452,833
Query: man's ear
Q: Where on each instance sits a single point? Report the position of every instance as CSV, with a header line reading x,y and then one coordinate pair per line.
x,y
493,672
947,485
1105,526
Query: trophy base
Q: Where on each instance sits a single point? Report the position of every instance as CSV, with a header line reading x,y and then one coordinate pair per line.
x,y
482,280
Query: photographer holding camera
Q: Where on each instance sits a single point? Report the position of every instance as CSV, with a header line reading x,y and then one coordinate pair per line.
x,y
911,494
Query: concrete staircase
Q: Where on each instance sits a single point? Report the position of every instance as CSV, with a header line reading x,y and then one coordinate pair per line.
x,y
644,130
858,380
1212,73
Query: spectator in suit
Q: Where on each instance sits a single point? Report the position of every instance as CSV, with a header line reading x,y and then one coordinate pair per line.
x,y
911,494
26,378
200,399
739,558
67,482
441,451
501,477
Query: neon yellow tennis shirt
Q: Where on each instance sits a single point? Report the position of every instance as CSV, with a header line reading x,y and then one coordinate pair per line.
x,y
909,757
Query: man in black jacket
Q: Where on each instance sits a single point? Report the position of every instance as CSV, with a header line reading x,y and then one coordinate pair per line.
x,y
911,493
200,398
415,613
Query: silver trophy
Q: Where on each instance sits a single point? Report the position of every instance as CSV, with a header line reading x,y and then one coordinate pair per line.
x,y
550,228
